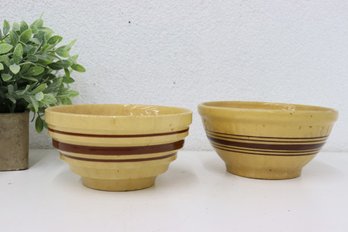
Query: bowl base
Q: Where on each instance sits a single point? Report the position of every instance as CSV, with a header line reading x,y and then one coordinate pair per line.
x,y
268,167
266,174
119,185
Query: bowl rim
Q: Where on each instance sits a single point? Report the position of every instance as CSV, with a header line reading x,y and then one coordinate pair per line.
x,y
117,124
211,109
52,109
319,108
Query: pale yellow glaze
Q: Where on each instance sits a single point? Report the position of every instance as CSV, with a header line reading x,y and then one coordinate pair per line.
x,y
118,126
125,176
128,119
245,126
111,142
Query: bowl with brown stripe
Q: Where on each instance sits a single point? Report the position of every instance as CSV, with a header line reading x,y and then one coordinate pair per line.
x,y
116,147
266,140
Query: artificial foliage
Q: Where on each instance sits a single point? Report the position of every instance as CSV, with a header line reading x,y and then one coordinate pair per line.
x,y
35,69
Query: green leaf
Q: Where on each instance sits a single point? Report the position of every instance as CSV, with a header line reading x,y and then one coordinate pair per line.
x,y
18,53
39,124
64,63
35,41
37,23
66,101
63,51
25,67
6,27
55,39
6,77
5,59
5,48
10,89
30,49
72,93
67,72
13,38
1,66
15,27
40,88
74,58
36,70
32,58
49,99
12,99
78,68
47,32
23,26
67,78
39,96
30,79
70,44
15,68
60,64
26,35
21,92
40,36
34,104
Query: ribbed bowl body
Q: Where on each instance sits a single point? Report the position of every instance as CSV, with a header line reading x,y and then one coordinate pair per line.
x,y
118,147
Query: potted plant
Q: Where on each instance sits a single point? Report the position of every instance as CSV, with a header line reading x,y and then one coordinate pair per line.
x,y
35,73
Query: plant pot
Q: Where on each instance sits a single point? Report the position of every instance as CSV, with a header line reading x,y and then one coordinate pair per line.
x,y
266,140
14,141
118,147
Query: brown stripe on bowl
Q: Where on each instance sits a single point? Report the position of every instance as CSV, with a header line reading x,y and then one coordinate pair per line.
x,y
284,147
117,136
117,150
215,134
120,160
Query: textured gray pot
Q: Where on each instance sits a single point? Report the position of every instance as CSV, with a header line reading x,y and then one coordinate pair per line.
x,y
14,141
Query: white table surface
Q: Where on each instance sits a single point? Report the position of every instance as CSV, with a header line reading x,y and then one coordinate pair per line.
x,y
195,194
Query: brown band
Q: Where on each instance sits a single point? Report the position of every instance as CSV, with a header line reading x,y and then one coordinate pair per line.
x,y
265,137
269,154
120,160
309,140
263,150
117,136
117,150
286,147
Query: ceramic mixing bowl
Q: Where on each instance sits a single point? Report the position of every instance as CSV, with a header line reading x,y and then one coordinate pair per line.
x,y
266,140
118,147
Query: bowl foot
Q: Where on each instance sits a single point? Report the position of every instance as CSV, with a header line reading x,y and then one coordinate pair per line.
x,y
118,185
264,166
265,173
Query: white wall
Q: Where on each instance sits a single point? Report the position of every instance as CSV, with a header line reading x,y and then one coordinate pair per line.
x,y
186,52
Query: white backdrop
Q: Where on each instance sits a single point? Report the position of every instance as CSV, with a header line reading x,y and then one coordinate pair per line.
x,y
186,52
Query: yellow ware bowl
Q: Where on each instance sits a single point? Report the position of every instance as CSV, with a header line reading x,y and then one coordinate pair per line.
x,y
118,147
266,140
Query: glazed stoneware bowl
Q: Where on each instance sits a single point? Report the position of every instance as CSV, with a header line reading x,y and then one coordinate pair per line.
x,y
118,147
266,140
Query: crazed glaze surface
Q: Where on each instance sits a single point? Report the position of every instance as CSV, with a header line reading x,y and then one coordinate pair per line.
x,y
266,140
118,147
